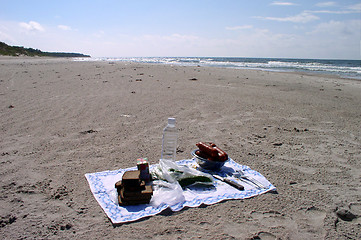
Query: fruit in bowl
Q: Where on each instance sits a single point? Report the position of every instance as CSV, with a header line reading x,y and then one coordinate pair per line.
x,y
209,156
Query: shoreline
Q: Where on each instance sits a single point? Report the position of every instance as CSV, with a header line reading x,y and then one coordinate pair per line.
x,y
308,66
110,60
63,119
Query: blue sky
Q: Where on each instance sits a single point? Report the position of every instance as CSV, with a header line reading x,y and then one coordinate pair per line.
x,y
259,28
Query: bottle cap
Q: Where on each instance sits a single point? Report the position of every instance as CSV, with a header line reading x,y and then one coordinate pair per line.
x,y
171,121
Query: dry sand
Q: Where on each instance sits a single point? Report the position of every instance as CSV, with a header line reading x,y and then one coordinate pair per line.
x,y
61,119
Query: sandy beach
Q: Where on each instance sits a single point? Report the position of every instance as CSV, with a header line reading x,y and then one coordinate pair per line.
x,y
61,119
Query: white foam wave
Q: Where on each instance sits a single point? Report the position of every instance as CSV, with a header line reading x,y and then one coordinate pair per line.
x,y
246,63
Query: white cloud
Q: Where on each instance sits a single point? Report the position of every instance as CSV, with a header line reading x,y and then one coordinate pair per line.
x,y
333,39
283,3
35,36
239,27
355,8
4,37
179,37
329,11
32,26
326,4
347,10
338,28
166,41
64,27
253,43
99,34
338,39
303,17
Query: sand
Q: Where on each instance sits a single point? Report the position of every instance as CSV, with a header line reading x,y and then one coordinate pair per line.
x,y
61,119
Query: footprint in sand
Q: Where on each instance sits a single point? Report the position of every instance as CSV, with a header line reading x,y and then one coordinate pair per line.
x,y
310,222
350,214
304,224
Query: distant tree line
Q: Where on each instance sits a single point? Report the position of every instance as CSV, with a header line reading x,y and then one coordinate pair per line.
x,y
21,51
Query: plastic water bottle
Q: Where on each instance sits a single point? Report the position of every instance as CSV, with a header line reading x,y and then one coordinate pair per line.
x,y
169,141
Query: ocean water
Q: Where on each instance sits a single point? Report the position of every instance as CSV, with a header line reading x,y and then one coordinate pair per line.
x,y
342,68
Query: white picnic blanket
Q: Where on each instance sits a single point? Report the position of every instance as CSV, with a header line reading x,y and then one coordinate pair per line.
x,y
102,185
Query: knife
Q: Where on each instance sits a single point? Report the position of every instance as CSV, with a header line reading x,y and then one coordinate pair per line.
x,y
230,182
241,176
